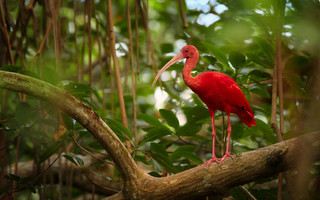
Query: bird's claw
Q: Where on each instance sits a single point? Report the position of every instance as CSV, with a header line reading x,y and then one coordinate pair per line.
x,y
224,157
208,162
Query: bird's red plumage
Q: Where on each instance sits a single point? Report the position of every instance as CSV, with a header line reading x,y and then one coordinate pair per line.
x,y
218,91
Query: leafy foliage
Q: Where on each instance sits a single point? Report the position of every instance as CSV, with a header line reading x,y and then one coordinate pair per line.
x,y
173,125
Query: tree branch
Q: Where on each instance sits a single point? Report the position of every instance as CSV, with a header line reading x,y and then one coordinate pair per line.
x,y
244,168
190,184
81,113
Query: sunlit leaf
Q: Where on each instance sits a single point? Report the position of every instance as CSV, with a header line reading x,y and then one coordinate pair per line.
x,y
150,120
218,54
170,117
156,133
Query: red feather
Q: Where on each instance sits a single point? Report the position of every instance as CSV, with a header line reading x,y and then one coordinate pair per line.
x,y
218,91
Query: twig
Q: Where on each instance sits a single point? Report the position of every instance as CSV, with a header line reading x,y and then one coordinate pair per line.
x,y
133,77
48,29
184,21
88,152
247,193
36,178
115,64
5,30
253,82
137,37
100,60
89,2
75,40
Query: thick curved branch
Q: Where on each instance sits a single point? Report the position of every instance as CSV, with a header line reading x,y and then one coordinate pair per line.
x,y
81,113
190,184
216,180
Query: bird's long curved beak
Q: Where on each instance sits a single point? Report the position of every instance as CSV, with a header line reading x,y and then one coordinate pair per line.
x,y
171,62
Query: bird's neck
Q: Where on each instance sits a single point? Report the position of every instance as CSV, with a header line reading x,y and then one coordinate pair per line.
x,y
187,69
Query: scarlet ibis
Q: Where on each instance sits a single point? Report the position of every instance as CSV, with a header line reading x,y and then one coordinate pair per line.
x,y
218,91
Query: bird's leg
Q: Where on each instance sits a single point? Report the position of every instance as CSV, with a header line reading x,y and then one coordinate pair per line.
x,y
213,158
228,143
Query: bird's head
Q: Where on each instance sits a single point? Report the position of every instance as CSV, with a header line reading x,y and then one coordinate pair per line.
x,y
187,52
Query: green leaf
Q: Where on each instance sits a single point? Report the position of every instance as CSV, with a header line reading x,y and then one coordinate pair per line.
x,y
260,89
150,120
70,158
158,149
156,133
23,112
101,175
189,129
120,130
261,52
238,131
78,90
211,60
262,130
170,117
258,75
160,155
217,53
220,56
68,121
78,159
186,151
196,113
297,62
237,59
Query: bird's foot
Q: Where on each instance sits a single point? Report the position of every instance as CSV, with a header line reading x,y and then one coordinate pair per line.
x,y
208,162
224,157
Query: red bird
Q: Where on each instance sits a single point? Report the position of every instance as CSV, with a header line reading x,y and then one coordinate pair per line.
x,y
218,91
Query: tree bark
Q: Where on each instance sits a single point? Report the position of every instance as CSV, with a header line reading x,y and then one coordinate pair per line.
x,y
191,184
81,113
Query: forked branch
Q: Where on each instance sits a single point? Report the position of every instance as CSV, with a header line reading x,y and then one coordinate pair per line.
x,y
190,184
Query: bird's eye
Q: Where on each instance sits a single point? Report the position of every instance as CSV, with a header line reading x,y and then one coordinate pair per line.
x,y
186,50
242,108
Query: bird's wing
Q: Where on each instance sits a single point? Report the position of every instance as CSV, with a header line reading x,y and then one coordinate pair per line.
x,y
221,92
